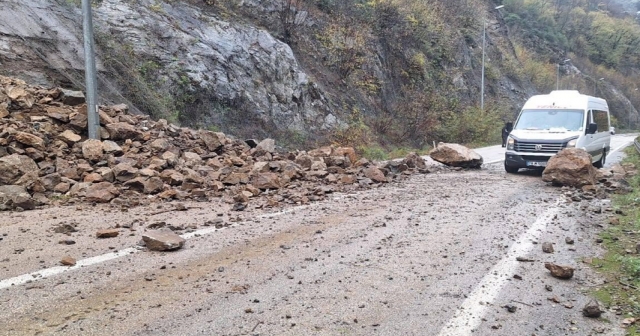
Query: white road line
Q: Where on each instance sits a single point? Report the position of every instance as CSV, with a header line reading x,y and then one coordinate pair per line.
x,y
494,161
45,273
469,315
48,272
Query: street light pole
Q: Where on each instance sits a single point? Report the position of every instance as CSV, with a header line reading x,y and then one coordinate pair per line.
x,y
93,121
484,47
484,42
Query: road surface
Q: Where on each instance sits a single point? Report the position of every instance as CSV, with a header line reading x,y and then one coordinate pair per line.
x,y
432,255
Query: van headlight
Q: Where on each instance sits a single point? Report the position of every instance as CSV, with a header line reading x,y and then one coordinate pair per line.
x,y
511,143
572,143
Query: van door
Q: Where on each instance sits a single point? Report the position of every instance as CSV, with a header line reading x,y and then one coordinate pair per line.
x,y
590,144
602,137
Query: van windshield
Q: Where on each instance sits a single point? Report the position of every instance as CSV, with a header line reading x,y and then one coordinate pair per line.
x,y
568,120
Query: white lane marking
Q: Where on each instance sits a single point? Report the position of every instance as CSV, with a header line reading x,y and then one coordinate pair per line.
x,y
45,273
48,272
469,315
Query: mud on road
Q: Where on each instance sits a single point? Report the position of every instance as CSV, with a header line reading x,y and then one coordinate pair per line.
x,y
432,255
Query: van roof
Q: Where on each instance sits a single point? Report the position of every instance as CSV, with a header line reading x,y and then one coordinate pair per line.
x,y
565,99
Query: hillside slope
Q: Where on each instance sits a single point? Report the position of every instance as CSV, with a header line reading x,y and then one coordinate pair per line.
x,y
390,72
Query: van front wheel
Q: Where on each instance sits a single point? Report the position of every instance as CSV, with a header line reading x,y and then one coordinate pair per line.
x,y
600,163
510,169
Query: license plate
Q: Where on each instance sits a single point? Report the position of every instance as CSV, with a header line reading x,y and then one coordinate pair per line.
x,y
536,163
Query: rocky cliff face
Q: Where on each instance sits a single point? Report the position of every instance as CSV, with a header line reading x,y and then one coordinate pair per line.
x,y
154,50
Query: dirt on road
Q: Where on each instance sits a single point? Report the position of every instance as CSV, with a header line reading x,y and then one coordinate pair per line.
x,y
448,253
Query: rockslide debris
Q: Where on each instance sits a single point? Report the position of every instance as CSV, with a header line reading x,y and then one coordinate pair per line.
x,y
46,158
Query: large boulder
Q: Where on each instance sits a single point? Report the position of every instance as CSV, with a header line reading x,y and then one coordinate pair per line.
x,y
570,167
456,155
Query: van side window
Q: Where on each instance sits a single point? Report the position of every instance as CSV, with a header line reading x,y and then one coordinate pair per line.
x,y
601,118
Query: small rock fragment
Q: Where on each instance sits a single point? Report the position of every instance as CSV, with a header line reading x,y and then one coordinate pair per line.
x,y
592,309
547,247
108,233
569,240
162,240
68,261
558,271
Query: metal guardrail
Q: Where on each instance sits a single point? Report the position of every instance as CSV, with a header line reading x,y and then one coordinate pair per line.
x,y
637,145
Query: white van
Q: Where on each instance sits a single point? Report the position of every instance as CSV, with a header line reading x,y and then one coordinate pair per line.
x,y
548,123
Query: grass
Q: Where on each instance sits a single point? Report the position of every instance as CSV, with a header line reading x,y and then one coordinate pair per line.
x,y
621,264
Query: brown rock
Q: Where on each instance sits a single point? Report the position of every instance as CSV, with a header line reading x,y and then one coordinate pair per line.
x,y
172,177
304,160
122,131
268,145
102,192
124,172
78,119
111,147
20,96
12,196
348,152
92,178
266,181
456,155
72,98
107,233
153,185
322,151
106,173
160,145
51,180
68,261
212,140
413,160
29,140
236,178
162,240
547,247
69,137
592,309
92,150
13,166
558,271
3,111
58,113
62,187
570,167
375,174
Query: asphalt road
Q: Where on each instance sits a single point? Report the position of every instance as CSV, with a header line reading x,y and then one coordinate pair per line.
x,y
432,255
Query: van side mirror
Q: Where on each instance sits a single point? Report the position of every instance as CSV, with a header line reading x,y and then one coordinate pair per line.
x,y
509,127
612,130
592,129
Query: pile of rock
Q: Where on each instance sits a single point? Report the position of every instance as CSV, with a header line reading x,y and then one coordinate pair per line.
x,y
45,156
572,169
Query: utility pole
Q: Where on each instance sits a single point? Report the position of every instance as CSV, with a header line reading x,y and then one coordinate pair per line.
x,y
484,44
93,120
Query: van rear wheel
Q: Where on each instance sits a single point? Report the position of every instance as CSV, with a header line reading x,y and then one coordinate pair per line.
x,y
600,163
